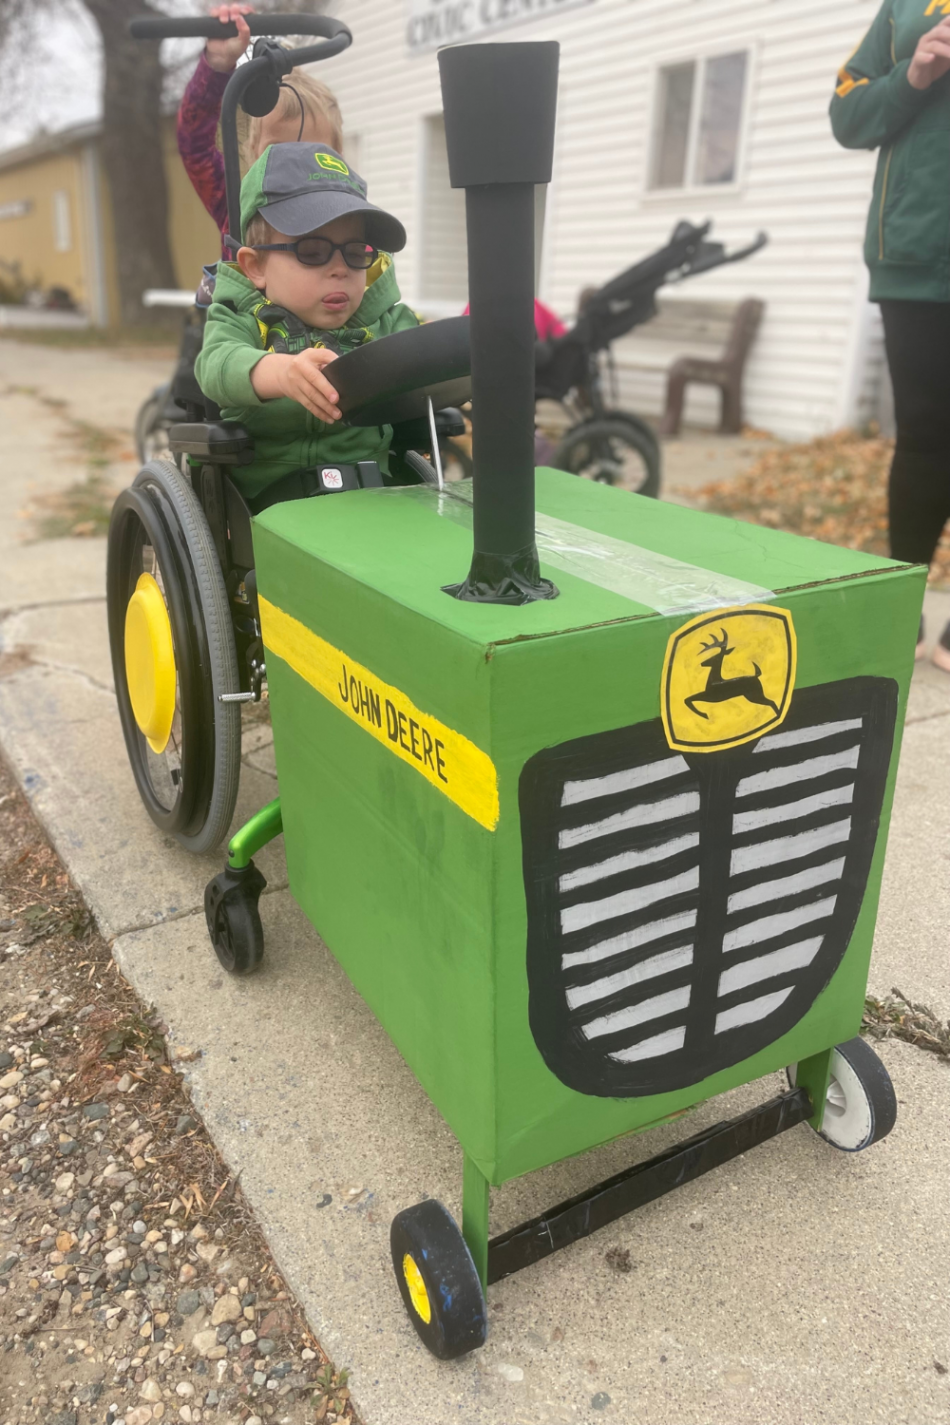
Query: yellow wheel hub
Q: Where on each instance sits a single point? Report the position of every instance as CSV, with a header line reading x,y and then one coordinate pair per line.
x,y
417,1289
150,662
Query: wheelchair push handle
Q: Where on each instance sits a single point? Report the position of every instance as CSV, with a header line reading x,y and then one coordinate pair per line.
x,y
203,27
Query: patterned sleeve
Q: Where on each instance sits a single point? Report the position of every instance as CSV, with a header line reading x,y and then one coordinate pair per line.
x,y
197,126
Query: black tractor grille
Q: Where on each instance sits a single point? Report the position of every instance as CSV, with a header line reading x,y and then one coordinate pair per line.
x,y
686,911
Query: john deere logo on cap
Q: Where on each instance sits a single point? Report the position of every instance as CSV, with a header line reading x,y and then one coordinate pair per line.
x,y
333,164
728,678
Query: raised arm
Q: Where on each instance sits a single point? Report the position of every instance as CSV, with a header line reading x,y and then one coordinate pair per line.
x,y
200,111
875,98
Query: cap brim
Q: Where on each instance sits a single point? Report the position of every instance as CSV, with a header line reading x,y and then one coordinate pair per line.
x,y
301,214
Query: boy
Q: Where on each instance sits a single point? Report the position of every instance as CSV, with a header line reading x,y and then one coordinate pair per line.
x,y
314,279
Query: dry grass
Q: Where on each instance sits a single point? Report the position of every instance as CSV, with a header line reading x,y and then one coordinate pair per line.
x,y
833,488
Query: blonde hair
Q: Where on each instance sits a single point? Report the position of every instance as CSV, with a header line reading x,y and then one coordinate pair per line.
x,y
259,230
320,108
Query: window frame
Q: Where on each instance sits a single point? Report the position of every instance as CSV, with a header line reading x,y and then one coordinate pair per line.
x,y
62,220
700,57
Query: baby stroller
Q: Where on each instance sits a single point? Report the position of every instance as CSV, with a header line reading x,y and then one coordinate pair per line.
x,y
613,446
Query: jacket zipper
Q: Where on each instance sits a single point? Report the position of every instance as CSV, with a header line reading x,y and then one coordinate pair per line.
x,y
880,221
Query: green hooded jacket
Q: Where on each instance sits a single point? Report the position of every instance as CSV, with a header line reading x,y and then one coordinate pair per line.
x,y
907,247
241,329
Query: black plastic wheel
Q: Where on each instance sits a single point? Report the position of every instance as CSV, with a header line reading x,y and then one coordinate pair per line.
x,y
151,426
233,919
861,1106
437,1280
615,450
158,531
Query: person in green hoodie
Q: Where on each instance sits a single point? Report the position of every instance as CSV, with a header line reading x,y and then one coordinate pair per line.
x,y
313,279
894,95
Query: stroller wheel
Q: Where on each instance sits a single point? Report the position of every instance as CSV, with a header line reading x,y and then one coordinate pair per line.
x,y
437,1280
173,655
613,451
861,1106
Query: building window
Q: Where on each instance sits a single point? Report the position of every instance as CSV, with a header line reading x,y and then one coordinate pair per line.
x,y
698,121
62,227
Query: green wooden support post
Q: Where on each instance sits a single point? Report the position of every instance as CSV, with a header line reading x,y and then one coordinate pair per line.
x,y
475,1195
813,1075
262,827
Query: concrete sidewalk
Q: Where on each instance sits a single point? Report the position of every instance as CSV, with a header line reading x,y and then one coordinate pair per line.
x,y
795,1285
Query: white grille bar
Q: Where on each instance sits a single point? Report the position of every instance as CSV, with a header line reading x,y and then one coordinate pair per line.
x,y
683,805
788,848
580,917
765,967
626,781
629,940
777,740
787,886
628,861
635,1014
662,964
790,811
799,771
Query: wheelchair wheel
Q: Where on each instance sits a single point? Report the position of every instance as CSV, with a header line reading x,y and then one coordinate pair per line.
x,y
614,451
173,655
151,427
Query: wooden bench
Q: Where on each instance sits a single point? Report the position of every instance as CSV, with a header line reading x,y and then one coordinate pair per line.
x,y
706,342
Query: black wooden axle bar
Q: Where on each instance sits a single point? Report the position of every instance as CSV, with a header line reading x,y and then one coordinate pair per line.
x,y
634,1187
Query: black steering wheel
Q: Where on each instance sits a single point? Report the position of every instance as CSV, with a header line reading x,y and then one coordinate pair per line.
x,y
393,379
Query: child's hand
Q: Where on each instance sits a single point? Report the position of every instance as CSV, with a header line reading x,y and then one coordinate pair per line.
x,y
223,55
301,378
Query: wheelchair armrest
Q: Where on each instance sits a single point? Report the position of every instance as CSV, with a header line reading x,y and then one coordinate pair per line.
x,y
217,442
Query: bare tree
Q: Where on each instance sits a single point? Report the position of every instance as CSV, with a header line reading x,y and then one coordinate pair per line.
x,y
132,154
131,135
133,81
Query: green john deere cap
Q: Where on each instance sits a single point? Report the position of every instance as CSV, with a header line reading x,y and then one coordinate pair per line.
x,y
301,186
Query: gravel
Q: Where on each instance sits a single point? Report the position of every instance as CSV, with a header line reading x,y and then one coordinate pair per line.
x,y
133,1278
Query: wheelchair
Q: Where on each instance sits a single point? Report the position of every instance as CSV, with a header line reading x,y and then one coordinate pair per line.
x,y
184,625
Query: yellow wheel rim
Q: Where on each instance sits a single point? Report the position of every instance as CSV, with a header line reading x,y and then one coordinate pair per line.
x,y
150,663
417,1289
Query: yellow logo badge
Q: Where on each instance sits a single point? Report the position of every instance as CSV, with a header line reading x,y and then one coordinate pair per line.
x,y
329,161
728,678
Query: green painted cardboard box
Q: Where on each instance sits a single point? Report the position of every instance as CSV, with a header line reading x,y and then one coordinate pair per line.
x,y
592,860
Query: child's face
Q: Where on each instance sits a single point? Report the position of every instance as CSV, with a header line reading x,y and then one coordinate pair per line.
x,y
323,297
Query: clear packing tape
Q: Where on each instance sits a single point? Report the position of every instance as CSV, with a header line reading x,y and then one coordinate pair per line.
x,y
656,581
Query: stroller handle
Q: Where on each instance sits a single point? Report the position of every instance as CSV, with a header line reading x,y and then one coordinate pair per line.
x,y
263,73
202,27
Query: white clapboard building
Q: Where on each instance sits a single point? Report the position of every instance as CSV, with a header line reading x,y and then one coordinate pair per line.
x,y
712,109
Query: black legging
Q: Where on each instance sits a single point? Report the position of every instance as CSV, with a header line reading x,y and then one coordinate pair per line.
x,y
917,336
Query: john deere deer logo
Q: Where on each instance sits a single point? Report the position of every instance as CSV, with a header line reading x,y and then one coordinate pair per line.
x,y
719,689
749,697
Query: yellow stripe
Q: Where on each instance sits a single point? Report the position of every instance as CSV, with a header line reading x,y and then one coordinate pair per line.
x,y
847,84
880,216
453,765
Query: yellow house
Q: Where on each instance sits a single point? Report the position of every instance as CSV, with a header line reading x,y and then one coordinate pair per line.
x,y
56,219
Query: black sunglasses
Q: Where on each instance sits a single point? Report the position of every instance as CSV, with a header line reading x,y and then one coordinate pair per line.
x,y
317,251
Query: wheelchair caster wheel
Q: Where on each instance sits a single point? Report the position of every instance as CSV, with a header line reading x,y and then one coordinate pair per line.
x,y
234,922
861,1106
437,1280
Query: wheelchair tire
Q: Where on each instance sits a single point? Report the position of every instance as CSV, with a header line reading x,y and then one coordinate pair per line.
x,y
613,450
168,609
151,427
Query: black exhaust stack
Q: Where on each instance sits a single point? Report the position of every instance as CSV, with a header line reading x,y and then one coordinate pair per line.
x,y
500,102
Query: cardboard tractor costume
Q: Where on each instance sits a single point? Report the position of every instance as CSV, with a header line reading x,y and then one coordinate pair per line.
x,y
598,846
